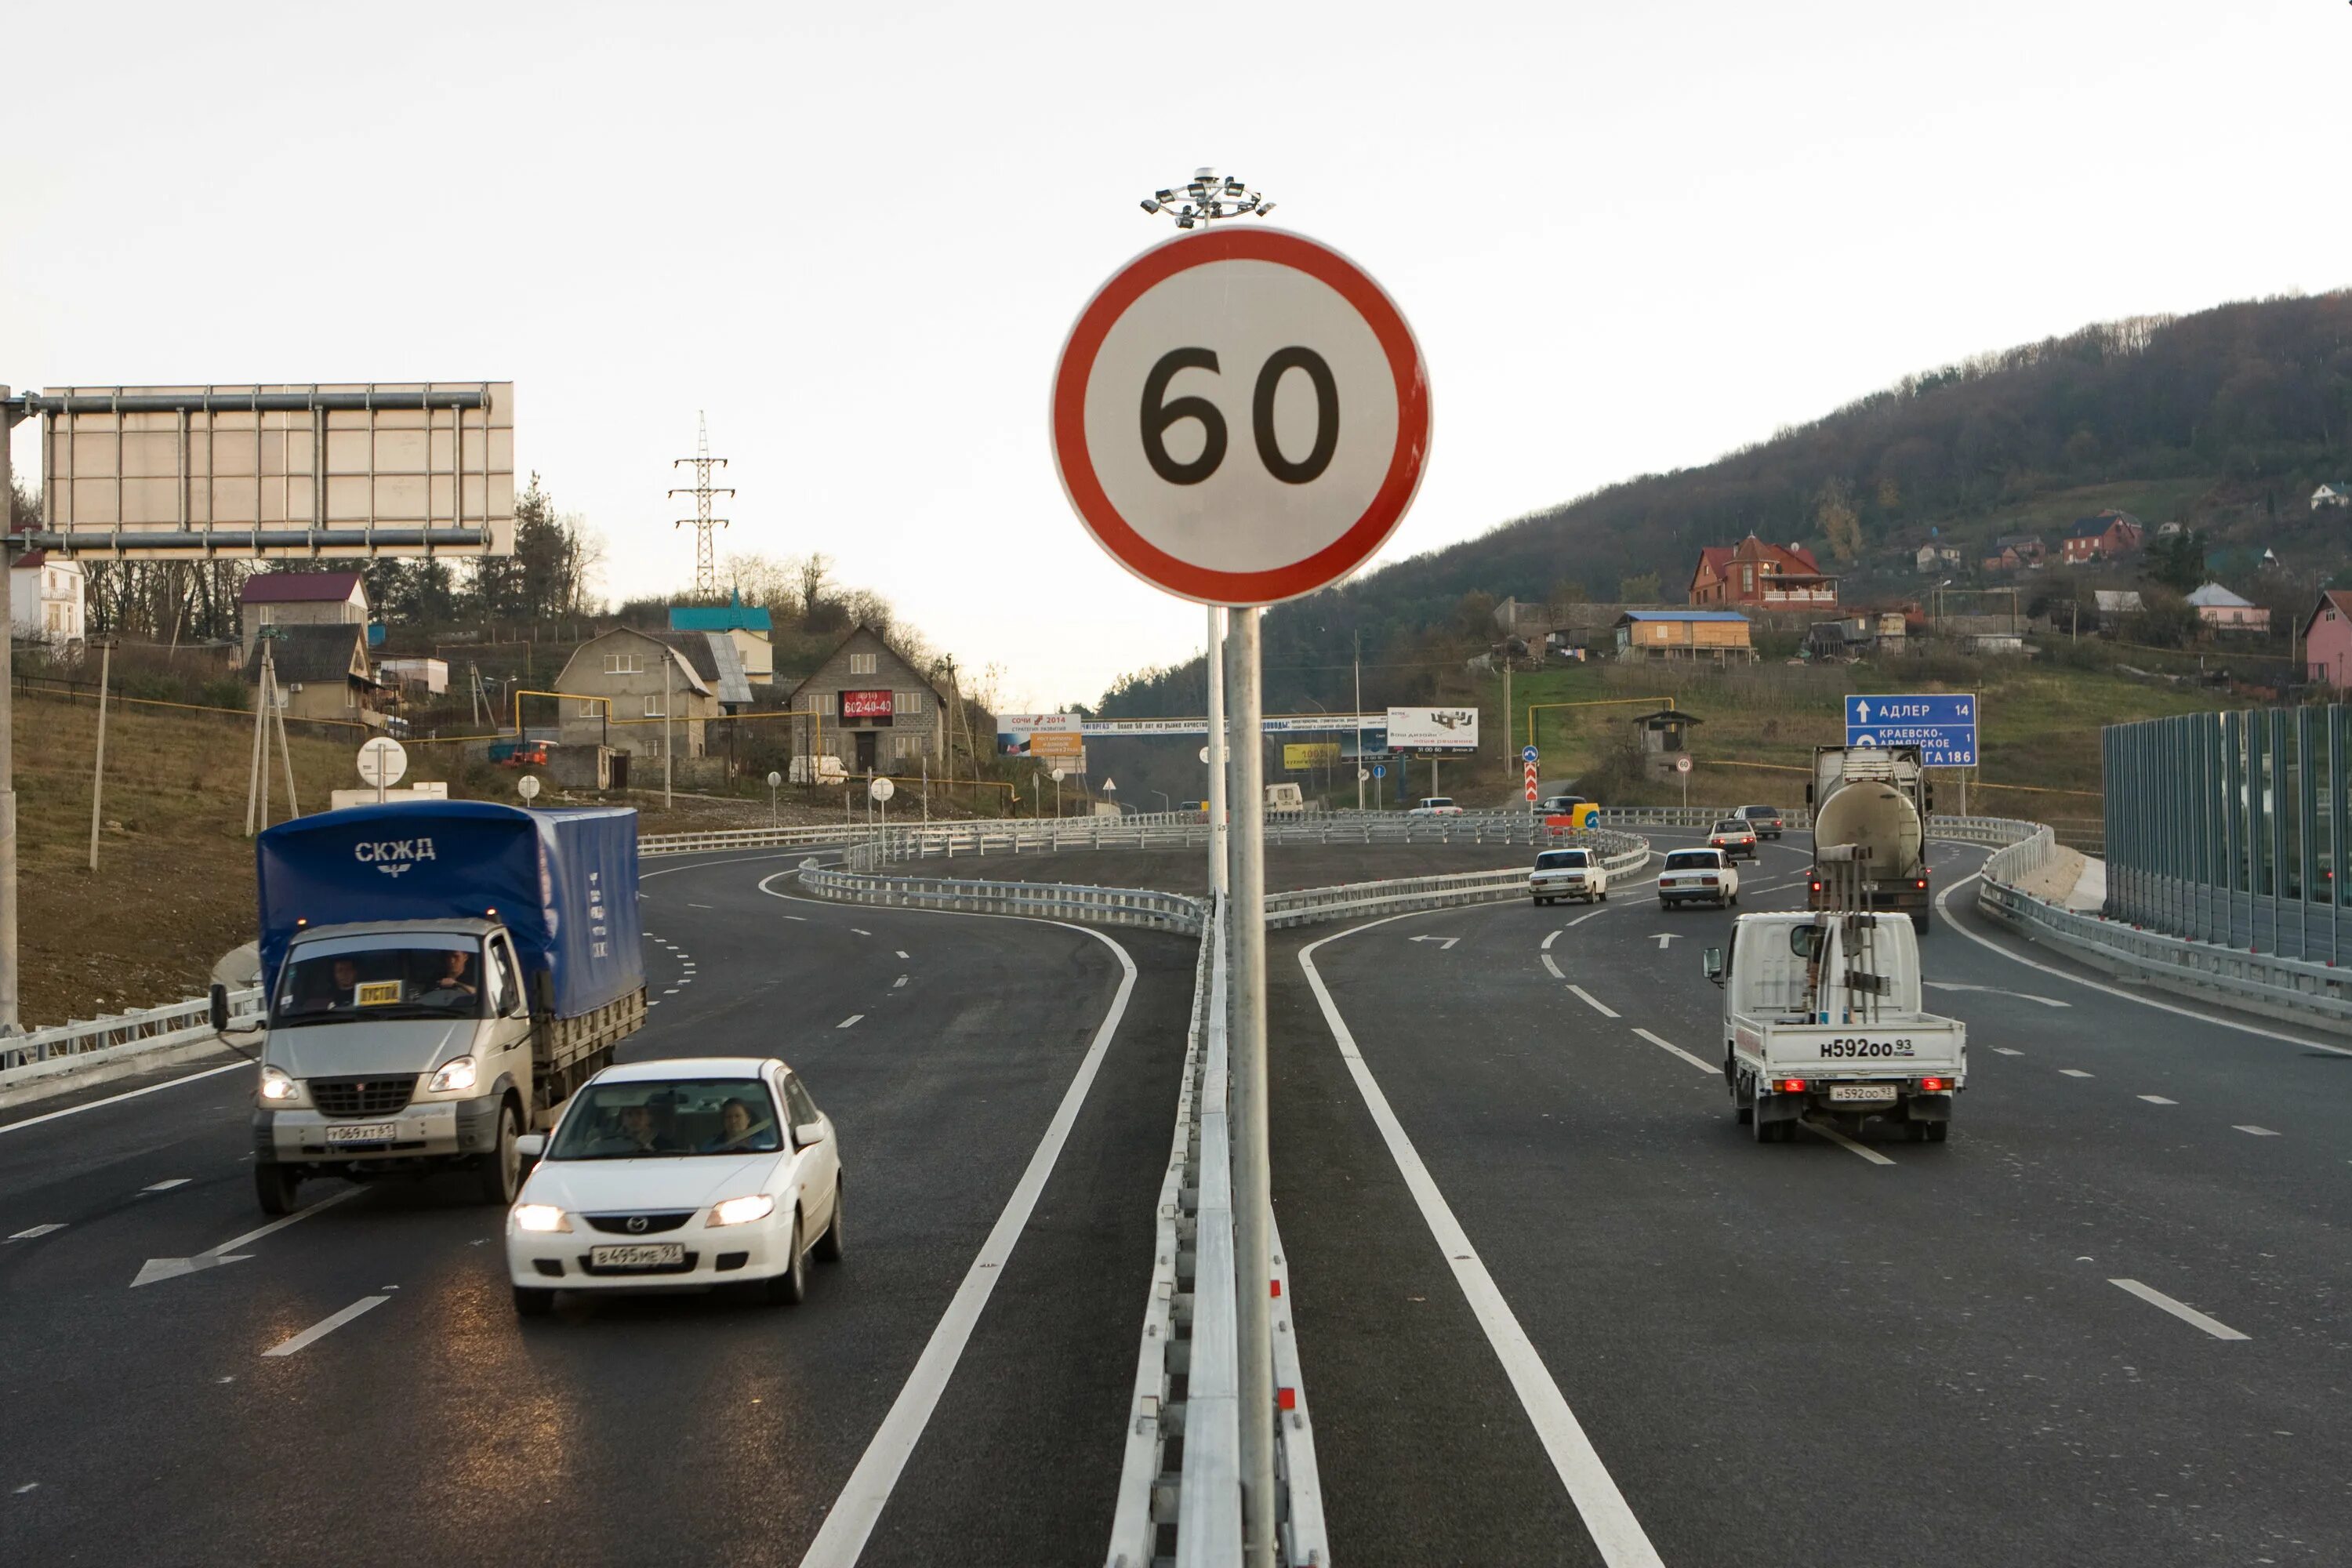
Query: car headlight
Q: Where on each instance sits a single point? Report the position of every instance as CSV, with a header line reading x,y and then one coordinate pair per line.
x,y
541,1217
742,1211
277,1087
453,1076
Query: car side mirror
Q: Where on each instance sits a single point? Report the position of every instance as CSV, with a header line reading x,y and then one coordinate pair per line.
x,y
808,1132
1712,964
220,1008
531,1148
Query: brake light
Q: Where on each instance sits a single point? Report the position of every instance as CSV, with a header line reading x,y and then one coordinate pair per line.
x,y
1792,1086
1923,881
1934,1084
1817,887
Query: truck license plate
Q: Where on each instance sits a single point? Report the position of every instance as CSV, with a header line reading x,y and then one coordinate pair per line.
x,y
1867,1092
643,1255
366,1132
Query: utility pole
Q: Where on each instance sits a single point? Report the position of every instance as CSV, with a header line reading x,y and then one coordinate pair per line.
x,y
706,570
669,687
98,777
1360,721
11,1017
1507,748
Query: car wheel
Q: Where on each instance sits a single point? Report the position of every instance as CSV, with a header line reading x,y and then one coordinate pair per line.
x,y
828,1245
500,1171
1603,895
532,1301
790,1289
1938,1130
1732,903
273,1186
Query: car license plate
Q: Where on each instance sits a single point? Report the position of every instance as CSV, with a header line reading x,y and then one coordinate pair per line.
x,y
366,1132
1866,1093
643,1255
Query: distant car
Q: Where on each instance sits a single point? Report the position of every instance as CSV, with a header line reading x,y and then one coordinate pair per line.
x,y
1765,820
1435,805
1568,874
686,1170
1733,836
1697,876
1553,804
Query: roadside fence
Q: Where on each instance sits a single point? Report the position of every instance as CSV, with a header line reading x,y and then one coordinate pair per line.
x,y
86,1043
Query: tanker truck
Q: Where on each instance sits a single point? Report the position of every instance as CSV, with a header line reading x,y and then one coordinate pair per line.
x,y
1874,801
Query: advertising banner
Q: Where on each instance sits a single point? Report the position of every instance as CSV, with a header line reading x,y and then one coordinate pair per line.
x,y
1056,743
1297,758
1016,733
866,705
1433,729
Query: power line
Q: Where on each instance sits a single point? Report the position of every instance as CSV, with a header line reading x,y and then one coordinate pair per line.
x,y
706,569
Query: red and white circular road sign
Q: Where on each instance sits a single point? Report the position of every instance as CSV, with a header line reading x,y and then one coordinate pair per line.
x,y
1241,416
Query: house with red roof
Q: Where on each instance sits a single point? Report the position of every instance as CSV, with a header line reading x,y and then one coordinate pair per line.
x,y
2327,639
301,599
1768,576
2102,537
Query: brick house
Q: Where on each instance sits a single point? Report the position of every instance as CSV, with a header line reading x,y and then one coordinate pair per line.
x,y
639,678
322,672
2106,537
1720,637
301,599
2015,552
1770,576
871,709
2327,639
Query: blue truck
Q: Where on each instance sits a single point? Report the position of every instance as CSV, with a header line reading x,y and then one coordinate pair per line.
x,y
441,975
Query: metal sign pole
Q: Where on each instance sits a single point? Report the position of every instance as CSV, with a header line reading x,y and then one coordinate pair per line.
x,y
98,774
1253,1185
1220,750
669,700
11,1021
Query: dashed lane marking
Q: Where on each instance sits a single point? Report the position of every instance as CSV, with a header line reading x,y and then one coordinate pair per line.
x,y
851,1019
694,906
325,1326
1594,1003
856,931
165,1185
1670,1046
1582,918
2158,1099
2076,1072
1554,968
38,1230
1995,989
2005,1051
1551,937
2181,1310
902,952
2256,1131
1842,1142
898,983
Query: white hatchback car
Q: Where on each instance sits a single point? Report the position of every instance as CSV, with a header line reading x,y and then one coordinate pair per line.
x,y
693,1171
1697,876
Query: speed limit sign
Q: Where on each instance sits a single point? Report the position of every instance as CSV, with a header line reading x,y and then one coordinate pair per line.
x,y
1241,416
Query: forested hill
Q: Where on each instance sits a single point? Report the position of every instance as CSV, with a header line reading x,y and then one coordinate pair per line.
x,y
2225,419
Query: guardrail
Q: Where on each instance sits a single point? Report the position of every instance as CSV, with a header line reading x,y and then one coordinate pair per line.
x,y
86,1041
1622,852
751,839
1047,901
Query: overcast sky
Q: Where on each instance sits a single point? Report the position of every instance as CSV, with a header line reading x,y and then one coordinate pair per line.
x,y
1628,237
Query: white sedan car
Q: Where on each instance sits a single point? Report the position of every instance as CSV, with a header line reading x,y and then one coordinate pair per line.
x,y
1435,805
692,1170
1568,874
1697,876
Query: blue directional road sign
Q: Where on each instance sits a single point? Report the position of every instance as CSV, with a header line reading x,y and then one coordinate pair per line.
x,y
1528,754
1942,724
1380,770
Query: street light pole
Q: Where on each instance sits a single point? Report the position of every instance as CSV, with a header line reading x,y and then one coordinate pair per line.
x,y
1359,720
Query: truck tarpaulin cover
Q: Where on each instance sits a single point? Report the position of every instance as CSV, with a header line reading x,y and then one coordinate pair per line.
x,y
565,882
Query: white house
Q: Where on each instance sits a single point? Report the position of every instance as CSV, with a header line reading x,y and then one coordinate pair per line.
x,y
47,598
2338,494
1937,557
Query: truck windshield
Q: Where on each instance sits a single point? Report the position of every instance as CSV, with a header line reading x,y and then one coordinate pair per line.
x,y
350,985
644,1120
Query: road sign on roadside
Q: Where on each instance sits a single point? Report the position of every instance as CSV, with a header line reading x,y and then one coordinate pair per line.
x,y
527,787
384,762
1241,416
1362,775
1380,770
1942,724
1528,754
1682,765
881,789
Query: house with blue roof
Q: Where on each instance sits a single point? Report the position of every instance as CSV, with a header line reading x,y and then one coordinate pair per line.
x,y
747,626
1715,637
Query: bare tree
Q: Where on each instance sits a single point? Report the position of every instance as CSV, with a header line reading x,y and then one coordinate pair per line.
x,y
815,572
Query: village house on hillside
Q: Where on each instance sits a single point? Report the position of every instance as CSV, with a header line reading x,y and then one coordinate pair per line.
x,y
1937,557
2106,537
301,599
47,597
2226,612
2327,639
2339,493
1770,576
747,626
1717,636
2015,552
618,688
321,671
872,711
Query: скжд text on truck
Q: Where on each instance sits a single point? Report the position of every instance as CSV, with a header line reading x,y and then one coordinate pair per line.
x,y
440,976
1872,798
1822,1015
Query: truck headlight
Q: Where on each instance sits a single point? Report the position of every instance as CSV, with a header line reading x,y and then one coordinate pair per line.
x,y
453,1076
742,1211
541,1217
277,1087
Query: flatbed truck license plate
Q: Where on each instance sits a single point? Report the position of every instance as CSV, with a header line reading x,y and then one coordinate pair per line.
x,y
641,1255
365,1133
1868,1093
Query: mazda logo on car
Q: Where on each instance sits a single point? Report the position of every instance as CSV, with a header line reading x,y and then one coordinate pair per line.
x,y
636,1224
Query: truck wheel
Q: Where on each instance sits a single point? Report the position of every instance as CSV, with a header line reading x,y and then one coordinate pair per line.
x,y
1603,895
1938,1130
500,1171
530,1301
1764,1129
828,1245
790,1289
273,1186
1916,1131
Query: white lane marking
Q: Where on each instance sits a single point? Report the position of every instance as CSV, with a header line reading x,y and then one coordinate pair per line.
x,y
2257,1131
1670,1046
1995,989
803,919
119,1098
1842,1142
165,1185
1582,918
2005,1051
1603,1509
854,929
1445,943
325,1326
2075,1072
213,1257
2215,1019
2158,1099
1664,937
898,983
1554,968
38,1230
2181,1310
1551,937
851,1019
902,952
694,906
852,1515
671,992
1595,1004
28,1485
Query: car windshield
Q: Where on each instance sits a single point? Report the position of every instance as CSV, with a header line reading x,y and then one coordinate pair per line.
x,y
645,1119
1558,859
1760,811
1731,828
344,984
1694,861
1439,800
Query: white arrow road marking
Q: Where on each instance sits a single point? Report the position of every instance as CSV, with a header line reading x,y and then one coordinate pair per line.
x,y
1666,937
1591,1001
1670,1046
325,1326
165,1185
1842,1142
1995,989
851,1019
1444,942
213,1256
38,1230
2181,1310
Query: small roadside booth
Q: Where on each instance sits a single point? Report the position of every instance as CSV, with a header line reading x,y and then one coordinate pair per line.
x,y
1665,738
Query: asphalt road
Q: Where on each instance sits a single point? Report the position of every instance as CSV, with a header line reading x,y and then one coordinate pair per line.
x,y
1820,1352
1288,867
147,1424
